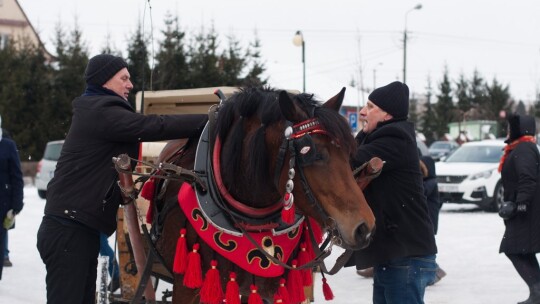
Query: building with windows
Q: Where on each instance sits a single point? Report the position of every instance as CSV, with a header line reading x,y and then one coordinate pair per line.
x,y
16,28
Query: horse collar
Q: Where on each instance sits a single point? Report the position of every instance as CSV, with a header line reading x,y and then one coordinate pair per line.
x,y
223,210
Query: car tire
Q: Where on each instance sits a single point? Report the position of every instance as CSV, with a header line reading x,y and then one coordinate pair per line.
x,y
498,197
42,193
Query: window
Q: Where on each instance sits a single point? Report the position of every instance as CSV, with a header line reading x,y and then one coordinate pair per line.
x,y
4,40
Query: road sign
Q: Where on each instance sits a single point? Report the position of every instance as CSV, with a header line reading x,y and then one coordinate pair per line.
x,y
353,121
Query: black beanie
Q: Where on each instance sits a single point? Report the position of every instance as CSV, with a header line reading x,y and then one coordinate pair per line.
x,y
103,67
393,99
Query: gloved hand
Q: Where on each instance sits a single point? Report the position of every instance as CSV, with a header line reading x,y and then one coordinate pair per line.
x,y
508,210
9,220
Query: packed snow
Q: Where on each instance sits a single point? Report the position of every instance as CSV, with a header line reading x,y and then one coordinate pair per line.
x,y
468,243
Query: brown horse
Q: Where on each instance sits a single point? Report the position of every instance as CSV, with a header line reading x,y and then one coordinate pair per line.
x,y
259,136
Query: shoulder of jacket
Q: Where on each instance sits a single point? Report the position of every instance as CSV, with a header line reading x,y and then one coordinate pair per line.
x,y
101,101
399,129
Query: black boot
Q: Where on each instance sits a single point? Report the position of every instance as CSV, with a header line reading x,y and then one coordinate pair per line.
x,y
534,297
535,294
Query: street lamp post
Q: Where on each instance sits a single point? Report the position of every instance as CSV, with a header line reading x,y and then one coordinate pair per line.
x,y
417,7
298,40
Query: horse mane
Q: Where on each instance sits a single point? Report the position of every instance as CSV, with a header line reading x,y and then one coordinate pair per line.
x,y
258,108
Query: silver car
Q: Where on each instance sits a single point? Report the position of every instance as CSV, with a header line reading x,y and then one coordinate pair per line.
x,y
47,165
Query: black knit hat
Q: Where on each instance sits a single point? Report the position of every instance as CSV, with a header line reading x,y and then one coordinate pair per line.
x,y
520,125
103,67
393,99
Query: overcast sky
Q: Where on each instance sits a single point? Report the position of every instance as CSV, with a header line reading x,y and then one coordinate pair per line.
x,y
499,38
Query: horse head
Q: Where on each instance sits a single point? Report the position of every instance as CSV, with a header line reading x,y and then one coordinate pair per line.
x,y
267,135
337,203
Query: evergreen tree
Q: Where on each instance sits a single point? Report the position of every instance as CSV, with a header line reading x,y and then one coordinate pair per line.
x,y
137,60
232,63
520,108
256,65
171,71
24,94
477,95
413,110
463,100
536,105
429,119
204,63
497,100
444,108
69,82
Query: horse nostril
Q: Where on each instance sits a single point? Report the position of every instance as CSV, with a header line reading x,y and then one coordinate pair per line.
x,y
362,235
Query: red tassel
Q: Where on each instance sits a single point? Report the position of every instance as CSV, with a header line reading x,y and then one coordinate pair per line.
x,y
147,191
277,299
294,285
211,291
288,212
232,292
193,274
303,258
283,293
327,291
180,258
254,297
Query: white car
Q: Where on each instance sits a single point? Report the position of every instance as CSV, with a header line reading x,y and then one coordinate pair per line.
x,y
47,165
470,175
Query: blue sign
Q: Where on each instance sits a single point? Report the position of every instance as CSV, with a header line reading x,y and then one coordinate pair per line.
x,y
353,121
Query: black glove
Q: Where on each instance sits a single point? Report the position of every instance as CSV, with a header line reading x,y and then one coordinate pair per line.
x,y
508,210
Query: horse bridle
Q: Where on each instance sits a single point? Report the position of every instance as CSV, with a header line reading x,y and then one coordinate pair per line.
x,y
297,140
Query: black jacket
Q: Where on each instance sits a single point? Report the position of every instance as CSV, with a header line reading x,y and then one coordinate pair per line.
x,y
431,191
11,180
521,182
84,187
403,227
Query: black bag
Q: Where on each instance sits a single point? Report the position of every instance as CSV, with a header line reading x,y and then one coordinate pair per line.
x,y
508,210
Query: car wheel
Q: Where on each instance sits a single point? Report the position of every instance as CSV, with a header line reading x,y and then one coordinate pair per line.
x,y
498,197
42,193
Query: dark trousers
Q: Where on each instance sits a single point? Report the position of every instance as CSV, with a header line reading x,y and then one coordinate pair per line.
x,y
70,255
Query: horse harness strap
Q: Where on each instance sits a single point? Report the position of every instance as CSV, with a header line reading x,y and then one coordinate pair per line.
x,y
302,152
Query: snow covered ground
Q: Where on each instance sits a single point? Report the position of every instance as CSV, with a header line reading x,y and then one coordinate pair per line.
x,y
468,242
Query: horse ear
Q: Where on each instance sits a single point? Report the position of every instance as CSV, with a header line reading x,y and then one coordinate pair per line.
x,y
288,108
336,101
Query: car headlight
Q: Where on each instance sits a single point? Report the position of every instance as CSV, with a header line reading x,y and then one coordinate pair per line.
x,y
483,174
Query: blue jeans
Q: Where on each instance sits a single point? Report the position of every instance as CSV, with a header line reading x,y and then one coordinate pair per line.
x,y
403,280
106,250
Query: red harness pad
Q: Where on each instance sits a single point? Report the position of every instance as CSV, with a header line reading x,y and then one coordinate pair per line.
x,y
237,248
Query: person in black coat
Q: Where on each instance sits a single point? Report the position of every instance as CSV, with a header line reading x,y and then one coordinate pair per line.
x,y
83,197
519,167
434,204
11,186
402,252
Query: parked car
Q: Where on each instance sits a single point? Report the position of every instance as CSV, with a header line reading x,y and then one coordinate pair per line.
x,y
442,148
470,175
422,147
47,165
